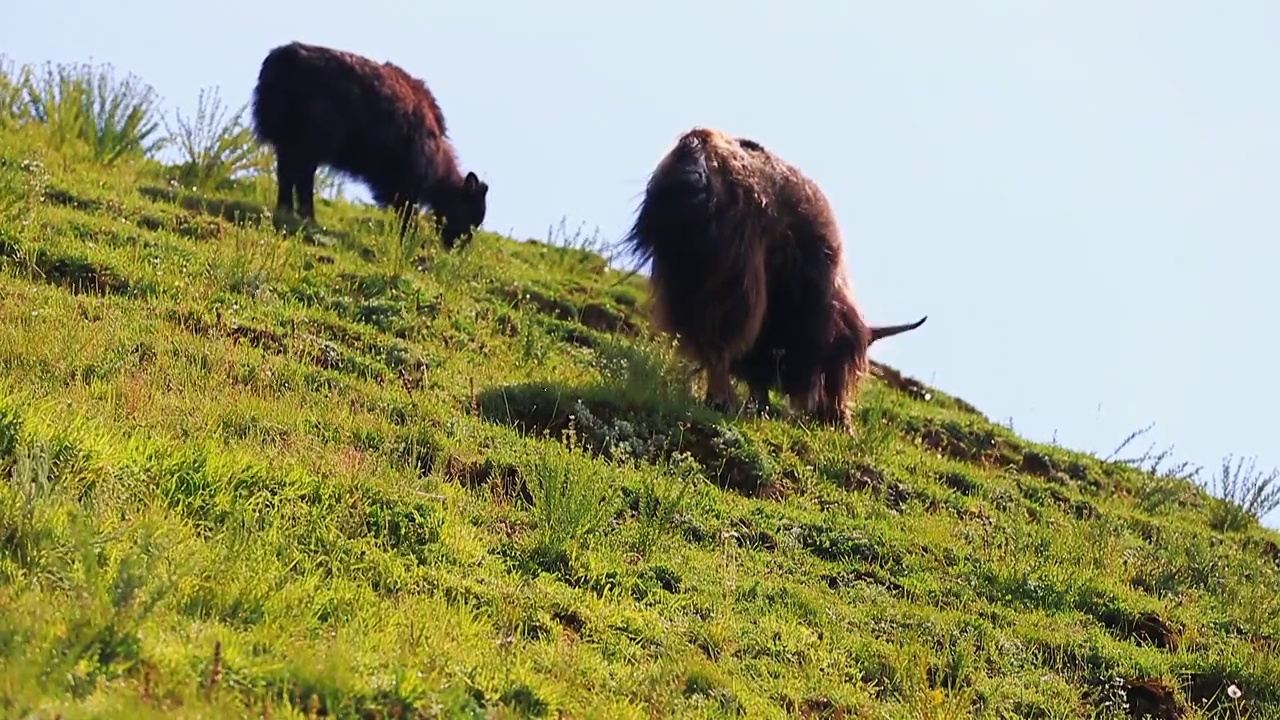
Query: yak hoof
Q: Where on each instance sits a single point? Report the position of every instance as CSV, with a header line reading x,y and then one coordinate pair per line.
x,y
720,404
836,420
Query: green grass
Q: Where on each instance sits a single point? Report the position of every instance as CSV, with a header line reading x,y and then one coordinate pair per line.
x,y
252,471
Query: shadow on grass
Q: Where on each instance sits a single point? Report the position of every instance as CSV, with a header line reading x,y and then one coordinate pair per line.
x,y
619,428
71,271
640,410
233,210
240,211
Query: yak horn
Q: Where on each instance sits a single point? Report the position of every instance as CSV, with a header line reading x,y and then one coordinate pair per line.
x,y
879,333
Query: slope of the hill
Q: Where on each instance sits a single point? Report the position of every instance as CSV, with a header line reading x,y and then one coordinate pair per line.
x,y
254,473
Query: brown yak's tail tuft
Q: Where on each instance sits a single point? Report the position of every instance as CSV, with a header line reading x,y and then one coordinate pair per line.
x,y
700,225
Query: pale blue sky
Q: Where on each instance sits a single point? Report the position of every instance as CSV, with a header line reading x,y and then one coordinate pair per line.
x,y
1081,195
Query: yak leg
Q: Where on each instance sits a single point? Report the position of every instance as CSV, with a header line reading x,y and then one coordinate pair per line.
x,y
306,182
833,402
720,393
760,399
285,175
806,401
760,387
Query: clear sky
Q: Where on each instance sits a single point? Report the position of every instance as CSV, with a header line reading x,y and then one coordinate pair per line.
x,y
1081,195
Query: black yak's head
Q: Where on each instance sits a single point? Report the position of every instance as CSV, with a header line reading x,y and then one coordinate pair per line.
x,y
461,208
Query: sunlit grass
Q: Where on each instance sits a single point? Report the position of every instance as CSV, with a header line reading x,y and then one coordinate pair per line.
x,y
257,470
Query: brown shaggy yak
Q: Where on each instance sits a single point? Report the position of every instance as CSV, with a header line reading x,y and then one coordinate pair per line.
x,y
747,272
374,122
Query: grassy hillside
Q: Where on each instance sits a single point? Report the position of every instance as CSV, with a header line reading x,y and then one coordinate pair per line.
x,y
252,470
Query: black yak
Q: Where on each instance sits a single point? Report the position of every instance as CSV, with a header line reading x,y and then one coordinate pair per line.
x,y
748,273
319,106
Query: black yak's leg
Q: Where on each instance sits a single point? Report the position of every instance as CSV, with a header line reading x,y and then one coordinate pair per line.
x,y
720,394
306,181
760,398
805,397
761,383
284,181
833,399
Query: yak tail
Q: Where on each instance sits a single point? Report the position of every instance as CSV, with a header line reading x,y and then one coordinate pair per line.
x,y
884,331
707,260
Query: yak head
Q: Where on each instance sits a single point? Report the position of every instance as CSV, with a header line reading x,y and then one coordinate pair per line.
x,y
461,208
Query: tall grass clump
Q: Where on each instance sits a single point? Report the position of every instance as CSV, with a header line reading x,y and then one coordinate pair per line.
x,y
586,249
215,147
571,500
663,497
113,117
13,105
1242,495
1247,494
